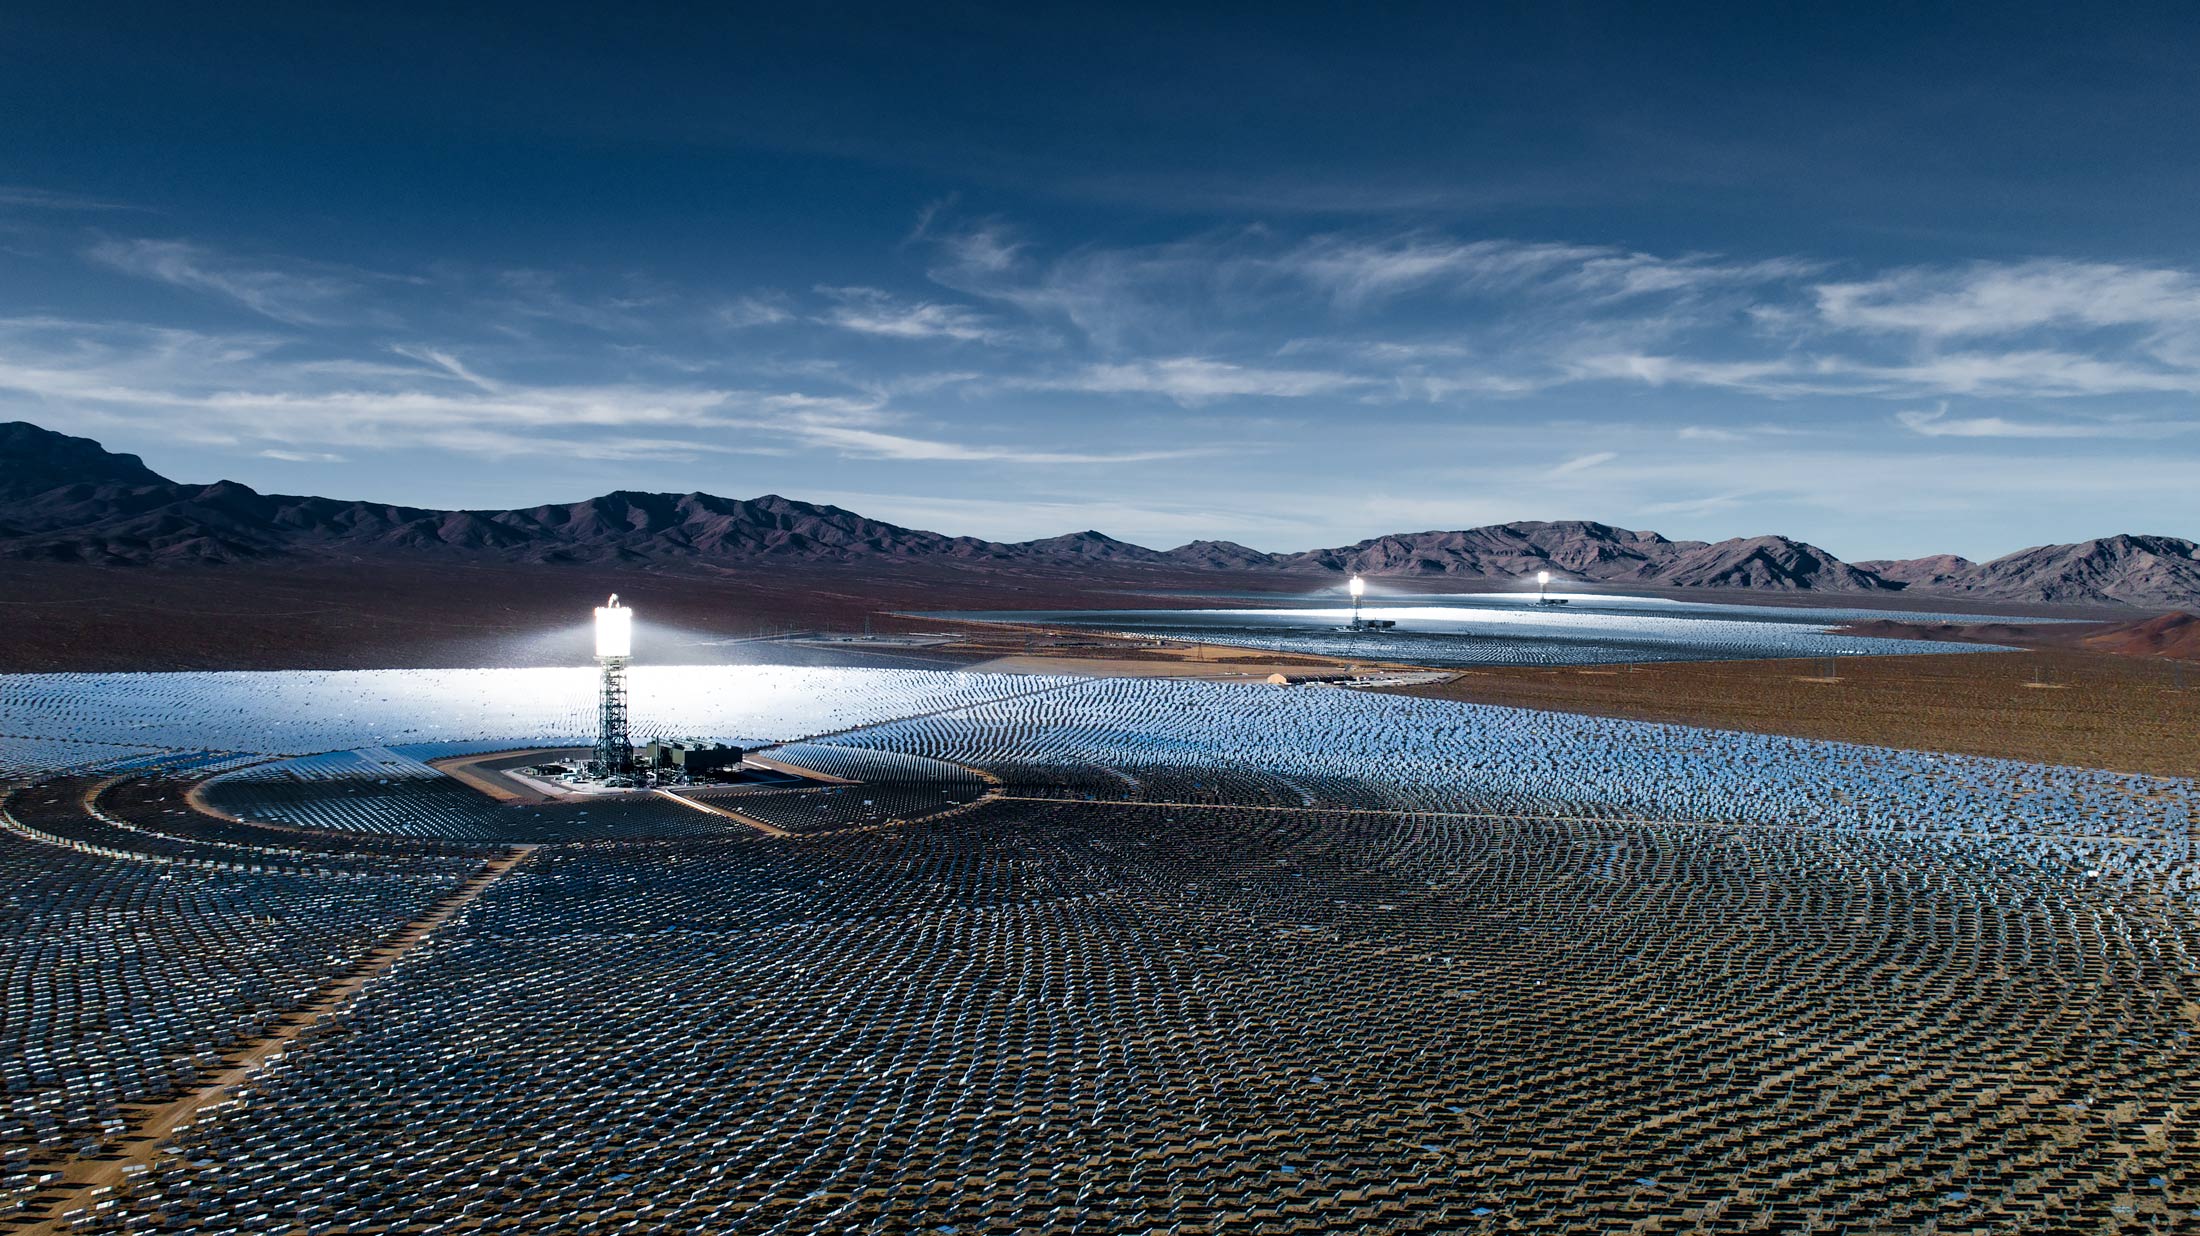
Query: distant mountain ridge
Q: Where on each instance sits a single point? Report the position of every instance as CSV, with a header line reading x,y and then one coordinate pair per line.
x,y
2138,570
68,499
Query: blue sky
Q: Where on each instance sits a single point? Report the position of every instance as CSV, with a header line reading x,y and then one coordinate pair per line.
x,y
1893,280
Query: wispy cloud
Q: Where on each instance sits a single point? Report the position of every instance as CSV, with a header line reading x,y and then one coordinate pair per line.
x,y
1582,463
33,198
299,297
1192,380
1108,295
1938,424
1765,377
443,362
524,300
2006,298
2032,373
1122,294
755,310
989,247
1534,315
873,311
863,432
1708,504
262,393
1359,271
255,392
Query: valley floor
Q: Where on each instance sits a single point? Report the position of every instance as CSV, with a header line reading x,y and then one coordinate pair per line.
x,y
2093,710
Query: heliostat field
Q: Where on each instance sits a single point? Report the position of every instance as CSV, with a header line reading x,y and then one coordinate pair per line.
x,y
1076,955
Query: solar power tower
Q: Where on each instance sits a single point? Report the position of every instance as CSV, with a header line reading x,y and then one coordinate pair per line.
x,y
614,644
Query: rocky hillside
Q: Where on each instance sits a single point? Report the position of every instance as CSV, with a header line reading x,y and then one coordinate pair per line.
x,y
34,461
2136,570
68,499
2175,634
1575,549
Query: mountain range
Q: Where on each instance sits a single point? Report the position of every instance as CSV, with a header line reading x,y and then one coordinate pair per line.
x,y
65,498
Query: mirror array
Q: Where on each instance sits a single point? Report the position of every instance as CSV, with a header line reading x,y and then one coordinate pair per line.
x,y
1507,630
1140,957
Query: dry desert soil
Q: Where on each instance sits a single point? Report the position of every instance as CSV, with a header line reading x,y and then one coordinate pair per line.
x,y
2128,714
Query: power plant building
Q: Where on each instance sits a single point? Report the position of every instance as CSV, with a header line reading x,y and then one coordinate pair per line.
x,y
693,756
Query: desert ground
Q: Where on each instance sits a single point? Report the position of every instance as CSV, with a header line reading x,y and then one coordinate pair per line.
x,y
2094,710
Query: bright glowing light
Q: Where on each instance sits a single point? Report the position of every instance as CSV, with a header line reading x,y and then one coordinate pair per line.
x,y
1358,586
614,629
1543,577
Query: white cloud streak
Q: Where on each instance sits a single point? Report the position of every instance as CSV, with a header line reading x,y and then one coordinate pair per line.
x,y
1538,315
758,310
1192,380
1582,463
247,391
2040,373
872,311
1358,272
1938,424
299,298
1118,296
1998,299
31,197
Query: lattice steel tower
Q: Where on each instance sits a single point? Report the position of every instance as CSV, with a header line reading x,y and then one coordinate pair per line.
x,y
614,644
